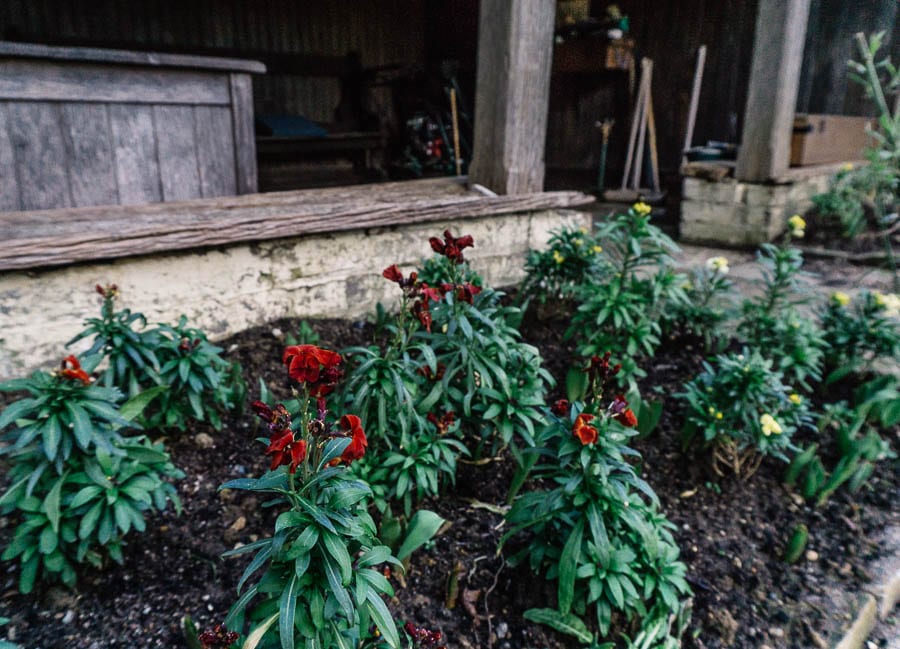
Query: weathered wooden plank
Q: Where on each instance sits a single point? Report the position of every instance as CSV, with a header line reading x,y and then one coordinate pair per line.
x,y
9,185
244,135
38,239
89,154
511,99
40,154
133,136
147,59
50,81
178,170
214,135
774,82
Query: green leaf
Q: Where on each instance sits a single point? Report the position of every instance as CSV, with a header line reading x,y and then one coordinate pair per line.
x,y
287,606
15,411
81,424
257,634
382,618
338,551
422,527
89,521
51,504
576,384
568,623
132,408
332,574
568,567
51,434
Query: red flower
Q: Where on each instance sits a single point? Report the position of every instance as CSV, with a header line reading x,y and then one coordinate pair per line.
x,y
465,292
277,418
451,247
316,367
422,637
392,273
351,425
218,637
287,450
74,372
560,408
443,423
421,311
434,294
108,291
582,429
622,413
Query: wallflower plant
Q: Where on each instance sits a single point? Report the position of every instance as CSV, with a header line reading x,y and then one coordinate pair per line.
x,y
741,410
571,260
626,312
708,302
77,485
590,523
857,333
321,584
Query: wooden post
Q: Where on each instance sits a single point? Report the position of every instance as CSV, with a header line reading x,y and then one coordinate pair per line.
x,y
515,52
772,96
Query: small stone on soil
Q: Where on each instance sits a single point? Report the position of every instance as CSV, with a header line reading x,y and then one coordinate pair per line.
x,y
812,555
204,440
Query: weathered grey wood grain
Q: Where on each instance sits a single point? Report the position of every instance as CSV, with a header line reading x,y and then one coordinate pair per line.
x,y
38,239
178,168
244,136
154,59
9,186
59,81
214,136
37,141
772,96
515,50
89,154
134,143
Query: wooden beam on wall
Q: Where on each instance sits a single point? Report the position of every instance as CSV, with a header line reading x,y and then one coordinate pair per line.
x,y
515,53
774,82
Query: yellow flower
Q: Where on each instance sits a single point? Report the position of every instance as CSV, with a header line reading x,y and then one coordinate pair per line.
x,y
711,410
578,242
687,286
719,415
889,302
641,208
718,265
598,249
769,426
840,298
795,398
797,224
583,230
847,166
558,257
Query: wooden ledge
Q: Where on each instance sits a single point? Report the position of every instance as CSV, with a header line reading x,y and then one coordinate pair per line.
x,y
38,239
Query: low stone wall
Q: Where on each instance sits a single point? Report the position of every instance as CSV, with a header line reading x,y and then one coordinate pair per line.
x,y
226,289
744,214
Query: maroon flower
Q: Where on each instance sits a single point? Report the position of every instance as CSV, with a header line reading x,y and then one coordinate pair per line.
x,y
71,369
217,638
421,311
392,273
622,413
451,247
442,423
110,291
286,450
582,429
422,637
560,408
465,292
433,376
351,425
277,419
316,367
433,294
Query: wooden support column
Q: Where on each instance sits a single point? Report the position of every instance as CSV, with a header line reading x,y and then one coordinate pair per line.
x,y
515,52
772,96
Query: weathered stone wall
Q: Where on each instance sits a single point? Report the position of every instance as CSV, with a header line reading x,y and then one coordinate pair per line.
x,y
227,289
743,214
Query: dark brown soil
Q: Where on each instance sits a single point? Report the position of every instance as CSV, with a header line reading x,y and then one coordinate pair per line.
x,y
732,534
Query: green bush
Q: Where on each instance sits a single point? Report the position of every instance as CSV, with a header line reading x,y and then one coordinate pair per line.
x,y
571,261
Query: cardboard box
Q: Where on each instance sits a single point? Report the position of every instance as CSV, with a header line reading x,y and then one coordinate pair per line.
x,y
819,139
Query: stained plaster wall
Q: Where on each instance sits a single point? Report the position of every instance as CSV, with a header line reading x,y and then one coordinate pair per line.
x,y
227,289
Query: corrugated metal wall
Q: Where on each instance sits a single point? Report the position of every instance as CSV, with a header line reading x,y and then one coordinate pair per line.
x,y
382,31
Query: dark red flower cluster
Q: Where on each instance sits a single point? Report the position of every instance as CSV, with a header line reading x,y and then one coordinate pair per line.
x,y
442,423
352,426
423,638
622,413
277,419
451,247
284,447
217,638
437,375
110,291
70,368
317,368
187,345
560,408
583,430
599,368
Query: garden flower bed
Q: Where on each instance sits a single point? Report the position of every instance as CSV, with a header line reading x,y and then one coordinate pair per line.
x,y
733,531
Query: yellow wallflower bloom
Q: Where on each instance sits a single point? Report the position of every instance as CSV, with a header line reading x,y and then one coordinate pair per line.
x,y
578,242
840,298
890,302
769,426
718,264
795,398
598,249
641,208
711,410
847,166
719,415
583,230
558,257
797,224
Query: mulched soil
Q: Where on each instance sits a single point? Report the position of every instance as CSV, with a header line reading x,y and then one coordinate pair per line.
x,y
732,534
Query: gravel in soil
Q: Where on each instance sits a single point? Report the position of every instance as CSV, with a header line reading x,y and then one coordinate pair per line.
x,y
732,534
